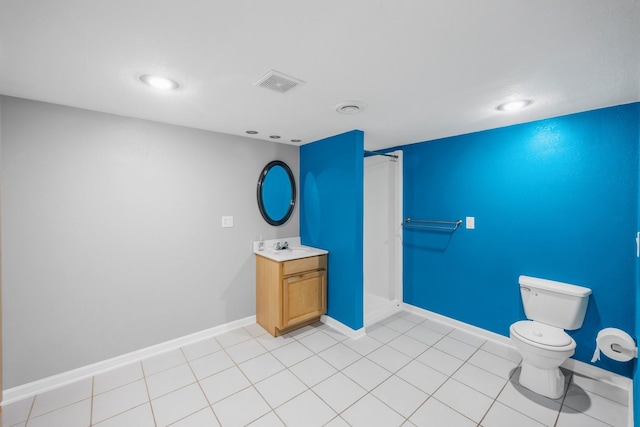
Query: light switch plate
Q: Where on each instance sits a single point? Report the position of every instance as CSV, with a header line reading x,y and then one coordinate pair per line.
x,y
471,223
227,221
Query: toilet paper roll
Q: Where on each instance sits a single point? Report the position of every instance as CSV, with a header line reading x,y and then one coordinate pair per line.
x,y
615,344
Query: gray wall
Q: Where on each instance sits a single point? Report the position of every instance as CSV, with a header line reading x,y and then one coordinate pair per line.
x,y
111,233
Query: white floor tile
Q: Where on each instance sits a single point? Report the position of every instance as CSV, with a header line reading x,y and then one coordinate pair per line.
x,y
495,364
398,324
467,337
502,416
366,374
400,395
279,388
483,381
255,330
261,367
339,391
363,345
241,408
117,377
369,411
317,341
505,351
436,414
291,353
337,422
572,418
533,405
201,348
304,331
440,361
382,333
306,410
245,350
437,326
211,364
313,370
169,380
596,406
340,356
423,377
608,391
271,343
202,418
178,405
75,415
224,384
16,412
234,337
455,348
411,317
139,416
268,420
439,381
332,333
409,346
163,361
425,335
389,358
119,400
61,397
469,402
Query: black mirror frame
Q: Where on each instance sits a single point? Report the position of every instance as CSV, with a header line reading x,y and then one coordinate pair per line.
x,y
263,176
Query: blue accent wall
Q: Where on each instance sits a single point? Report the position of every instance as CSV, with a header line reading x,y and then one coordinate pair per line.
x,y
636,371
331,218
556,199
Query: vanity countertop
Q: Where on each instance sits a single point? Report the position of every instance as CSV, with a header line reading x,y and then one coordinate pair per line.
x,y
295,250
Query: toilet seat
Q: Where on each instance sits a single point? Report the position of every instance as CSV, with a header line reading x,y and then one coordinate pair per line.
x,y
541,335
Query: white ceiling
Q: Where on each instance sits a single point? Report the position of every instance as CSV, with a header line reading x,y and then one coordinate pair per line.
x,y
424,68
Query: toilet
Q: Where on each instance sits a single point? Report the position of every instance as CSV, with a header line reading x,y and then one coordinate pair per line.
x,y
551,307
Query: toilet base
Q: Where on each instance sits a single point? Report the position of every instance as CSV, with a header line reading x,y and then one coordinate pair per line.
x,y
548,382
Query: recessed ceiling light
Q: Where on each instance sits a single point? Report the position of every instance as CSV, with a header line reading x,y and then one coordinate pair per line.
x,y
296,140
159,82
517,104
275,137
252,132
350,107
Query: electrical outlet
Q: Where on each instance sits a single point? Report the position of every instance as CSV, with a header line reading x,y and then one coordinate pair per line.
x,y
471,223
227,221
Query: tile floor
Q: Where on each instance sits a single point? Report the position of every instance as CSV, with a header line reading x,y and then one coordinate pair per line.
x,y
407,371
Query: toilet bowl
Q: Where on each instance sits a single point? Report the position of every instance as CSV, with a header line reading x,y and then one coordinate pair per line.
x,y
541,341
541,356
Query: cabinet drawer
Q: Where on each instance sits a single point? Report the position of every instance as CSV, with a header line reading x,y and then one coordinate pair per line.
x,y
304,264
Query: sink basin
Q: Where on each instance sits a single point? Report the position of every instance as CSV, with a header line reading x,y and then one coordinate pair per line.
x,y
294,252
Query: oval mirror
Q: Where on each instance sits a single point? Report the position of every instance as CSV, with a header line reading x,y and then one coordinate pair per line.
x,y
276,192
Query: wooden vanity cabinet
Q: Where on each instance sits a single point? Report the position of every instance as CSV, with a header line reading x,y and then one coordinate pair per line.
x,y
290,294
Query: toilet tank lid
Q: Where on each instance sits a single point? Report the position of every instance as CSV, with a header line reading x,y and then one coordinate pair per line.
x,y
553,286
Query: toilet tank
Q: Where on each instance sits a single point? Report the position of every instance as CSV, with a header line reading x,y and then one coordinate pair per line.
x,y
554,303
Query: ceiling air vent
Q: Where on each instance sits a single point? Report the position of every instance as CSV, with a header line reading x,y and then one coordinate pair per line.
x,y
277,81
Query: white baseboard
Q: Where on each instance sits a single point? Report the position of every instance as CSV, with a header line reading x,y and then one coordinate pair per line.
x,y
49,383
342,328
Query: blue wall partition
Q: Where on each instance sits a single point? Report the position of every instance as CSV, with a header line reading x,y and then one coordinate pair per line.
x,y
331,218
555,199
636,371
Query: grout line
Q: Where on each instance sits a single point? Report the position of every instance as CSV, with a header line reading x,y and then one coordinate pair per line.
x,y
146,386
93,385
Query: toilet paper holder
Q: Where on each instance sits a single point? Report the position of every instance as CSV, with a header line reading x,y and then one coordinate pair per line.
x,y
619,349
615,344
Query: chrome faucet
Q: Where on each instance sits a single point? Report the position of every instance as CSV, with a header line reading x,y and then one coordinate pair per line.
x,y
282,246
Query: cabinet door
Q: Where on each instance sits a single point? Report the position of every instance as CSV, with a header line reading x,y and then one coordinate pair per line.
x,y
304,297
